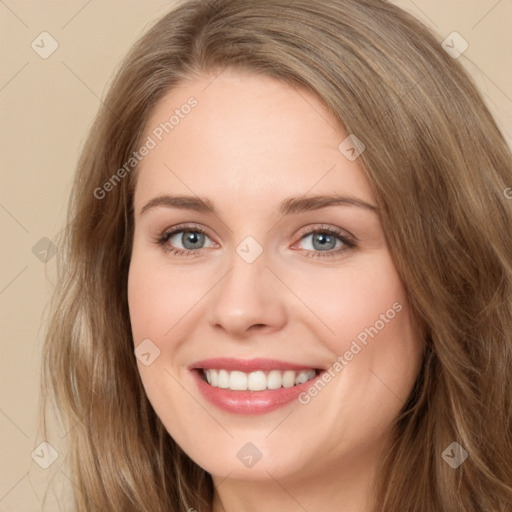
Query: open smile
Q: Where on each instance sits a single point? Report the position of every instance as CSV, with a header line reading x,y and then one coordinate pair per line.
x,y
252,386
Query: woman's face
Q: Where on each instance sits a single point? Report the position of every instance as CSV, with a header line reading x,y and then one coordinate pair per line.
x,y
259,261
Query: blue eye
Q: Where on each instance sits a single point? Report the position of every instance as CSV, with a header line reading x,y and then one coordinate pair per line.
x,y
191,239
326,241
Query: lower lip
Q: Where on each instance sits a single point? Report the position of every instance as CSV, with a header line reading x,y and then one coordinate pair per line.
x,y
250,402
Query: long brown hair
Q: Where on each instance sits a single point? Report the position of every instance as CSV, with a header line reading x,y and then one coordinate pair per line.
x,y
439,168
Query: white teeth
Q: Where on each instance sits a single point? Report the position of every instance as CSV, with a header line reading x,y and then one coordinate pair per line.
x,y
258,380
288,379
301,378
223,380
274,379
238,381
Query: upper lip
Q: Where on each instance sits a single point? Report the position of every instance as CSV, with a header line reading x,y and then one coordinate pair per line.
x,y
248,365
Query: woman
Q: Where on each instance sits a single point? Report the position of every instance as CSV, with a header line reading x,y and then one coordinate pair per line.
x,y
210,350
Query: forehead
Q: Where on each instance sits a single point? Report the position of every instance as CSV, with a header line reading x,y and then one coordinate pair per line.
x,y
249,136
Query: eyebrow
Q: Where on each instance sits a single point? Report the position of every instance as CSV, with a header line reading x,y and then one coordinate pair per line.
x,y
292,205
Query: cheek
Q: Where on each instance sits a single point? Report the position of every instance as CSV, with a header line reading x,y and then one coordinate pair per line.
x,y
366,322
157,300
142,298
159,297
354,299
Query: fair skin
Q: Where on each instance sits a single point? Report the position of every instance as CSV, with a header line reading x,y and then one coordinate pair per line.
x,y
249,144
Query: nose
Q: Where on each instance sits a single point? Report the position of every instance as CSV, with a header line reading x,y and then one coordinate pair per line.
x,y
248,299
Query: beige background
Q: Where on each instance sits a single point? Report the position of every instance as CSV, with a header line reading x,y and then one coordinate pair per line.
x,y
47,106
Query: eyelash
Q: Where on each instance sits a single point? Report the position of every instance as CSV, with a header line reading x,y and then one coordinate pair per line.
x,y
164,237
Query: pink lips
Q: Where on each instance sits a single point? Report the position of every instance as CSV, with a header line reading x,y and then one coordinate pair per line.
x,y
249,402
